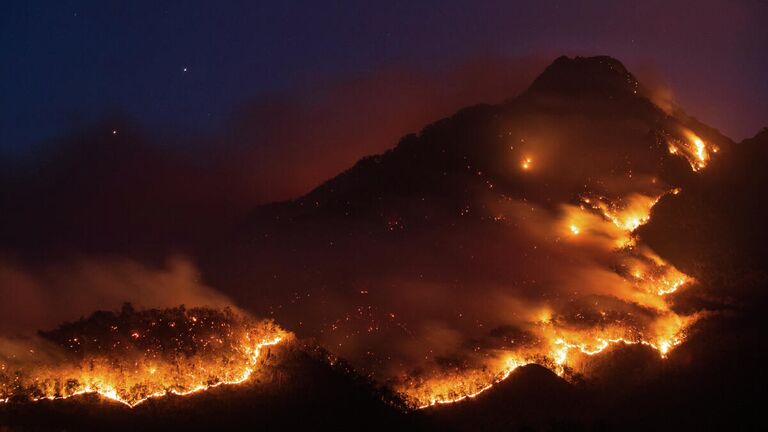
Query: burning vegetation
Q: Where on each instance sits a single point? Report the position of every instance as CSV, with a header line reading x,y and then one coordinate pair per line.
x,y
501,237
621,293
693,149
132,356
559,341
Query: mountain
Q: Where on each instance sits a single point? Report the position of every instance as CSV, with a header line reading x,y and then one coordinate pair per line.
x,y
502,230
532,397
428,250
444,208
586,76
576,98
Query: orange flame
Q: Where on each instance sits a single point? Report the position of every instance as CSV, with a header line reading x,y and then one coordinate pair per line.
x,y
598,219
231,354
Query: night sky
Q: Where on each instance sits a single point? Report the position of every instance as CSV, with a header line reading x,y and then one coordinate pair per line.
x,y
185,67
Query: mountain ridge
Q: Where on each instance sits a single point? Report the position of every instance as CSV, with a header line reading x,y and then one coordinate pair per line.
x,y
598,83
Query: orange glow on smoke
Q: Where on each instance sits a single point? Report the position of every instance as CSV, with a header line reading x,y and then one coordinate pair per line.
x,y
607,223
648,279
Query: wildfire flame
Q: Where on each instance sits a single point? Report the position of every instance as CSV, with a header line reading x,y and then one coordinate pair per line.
x,y
627,216
461,386
178,352
199,350
597,218
693,149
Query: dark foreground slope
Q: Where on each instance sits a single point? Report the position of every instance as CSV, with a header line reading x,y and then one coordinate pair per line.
x,y
712,382
696,389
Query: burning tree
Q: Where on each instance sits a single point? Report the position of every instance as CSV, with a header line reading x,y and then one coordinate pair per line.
x,y
133,355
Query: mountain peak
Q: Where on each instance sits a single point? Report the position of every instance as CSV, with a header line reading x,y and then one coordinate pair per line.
x,y
585,75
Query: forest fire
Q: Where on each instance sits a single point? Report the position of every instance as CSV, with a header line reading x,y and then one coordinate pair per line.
x,y
461,386
509,263
693,149
554,352
134,356
644,279
143,355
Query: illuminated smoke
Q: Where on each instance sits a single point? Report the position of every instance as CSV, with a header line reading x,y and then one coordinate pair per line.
x,y
489,253
635,276
640,278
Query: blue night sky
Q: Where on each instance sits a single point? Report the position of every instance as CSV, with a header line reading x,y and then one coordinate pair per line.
x,y
185,66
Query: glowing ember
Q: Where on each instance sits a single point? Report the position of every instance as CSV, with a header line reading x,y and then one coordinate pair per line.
x,y
174,351
642,276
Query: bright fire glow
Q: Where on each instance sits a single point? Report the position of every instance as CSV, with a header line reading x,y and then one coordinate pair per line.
x,y
558,347
208,350
231,354
526,163
693,149
461,386
646,278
